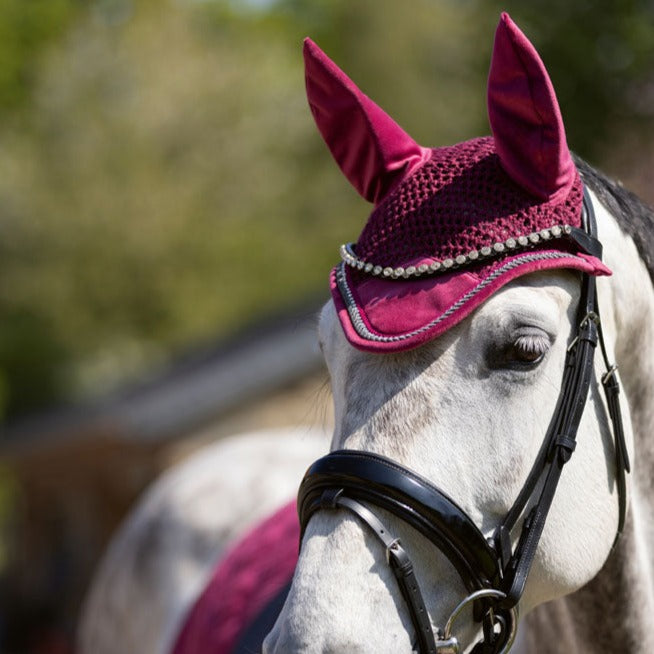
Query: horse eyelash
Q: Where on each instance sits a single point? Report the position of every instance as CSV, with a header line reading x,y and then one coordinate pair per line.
x,y
532,344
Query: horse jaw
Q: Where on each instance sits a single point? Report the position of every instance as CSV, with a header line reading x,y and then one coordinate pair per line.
x,y
441,411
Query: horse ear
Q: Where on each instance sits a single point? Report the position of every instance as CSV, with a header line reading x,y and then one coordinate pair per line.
x,y
525,117
372,150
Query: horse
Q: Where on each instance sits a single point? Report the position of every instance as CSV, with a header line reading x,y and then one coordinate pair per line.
x,y
163,553
484,477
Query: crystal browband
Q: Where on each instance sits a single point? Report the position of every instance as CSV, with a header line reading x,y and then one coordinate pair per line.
x,y
518,243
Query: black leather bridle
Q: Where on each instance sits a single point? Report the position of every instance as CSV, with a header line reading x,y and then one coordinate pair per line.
x,y
492,570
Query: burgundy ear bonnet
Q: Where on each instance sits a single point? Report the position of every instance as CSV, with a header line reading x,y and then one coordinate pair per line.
x,y
450,225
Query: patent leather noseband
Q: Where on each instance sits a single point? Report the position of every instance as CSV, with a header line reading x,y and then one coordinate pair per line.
x,y
493,572
348,478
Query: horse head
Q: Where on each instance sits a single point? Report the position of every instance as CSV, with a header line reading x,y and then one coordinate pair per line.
x,y
458,340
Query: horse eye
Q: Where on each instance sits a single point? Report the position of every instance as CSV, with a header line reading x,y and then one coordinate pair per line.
x,y
522,352
527,350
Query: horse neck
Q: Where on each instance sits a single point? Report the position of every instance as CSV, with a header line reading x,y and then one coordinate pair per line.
x,y
613,613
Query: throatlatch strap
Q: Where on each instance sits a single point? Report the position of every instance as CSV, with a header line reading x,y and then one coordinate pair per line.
x,y
622,463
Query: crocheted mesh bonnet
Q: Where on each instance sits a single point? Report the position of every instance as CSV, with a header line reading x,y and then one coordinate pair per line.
x,y
458,201
451,225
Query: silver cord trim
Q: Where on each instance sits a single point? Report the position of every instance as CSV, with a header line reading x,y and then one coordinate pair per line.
x,y
363,331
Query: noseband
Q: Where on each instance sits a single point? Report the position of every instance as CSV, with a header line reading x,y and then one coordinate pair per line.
x,y
493,572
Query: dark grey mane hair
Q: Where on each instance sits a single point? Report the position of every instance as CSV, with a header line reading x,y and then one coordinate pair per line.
x,y
634,216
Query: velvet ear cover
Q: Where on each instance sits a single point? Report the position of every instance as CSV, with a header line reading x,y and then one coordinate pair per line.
x,y
376,154
525,117
449,207
372,150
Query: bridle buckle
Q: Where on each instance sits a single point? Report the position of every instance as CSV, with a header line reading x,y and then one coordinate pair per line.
x,y
591,316
609,373
391,549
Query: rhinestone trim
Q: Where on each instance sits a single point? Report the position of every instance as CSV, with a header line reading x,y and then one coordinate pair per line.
x,y
350,258
363,331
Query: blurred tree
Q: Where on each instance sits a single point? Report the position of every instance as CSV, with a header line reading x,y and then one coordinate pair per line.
x,y
600,56
155,201
31,361
26,29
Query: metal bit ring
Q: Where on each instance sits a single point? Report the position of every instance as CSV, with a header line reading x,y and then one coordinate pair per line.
x,y
446,634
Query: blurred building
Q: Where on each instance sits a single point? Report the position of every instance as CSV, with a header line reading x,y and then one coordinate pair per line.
x,y
76,471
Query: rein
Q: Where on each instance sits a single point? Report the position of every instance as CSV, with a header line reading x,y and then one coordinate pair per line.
x,y
493,572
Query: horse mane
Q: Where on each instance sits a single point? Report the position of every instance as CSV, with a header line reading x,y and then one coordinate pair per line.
x,y
635,217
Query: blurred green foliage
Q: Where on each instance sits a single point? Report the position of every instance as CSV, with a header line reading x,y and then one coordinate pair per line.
x,y
26,29
600,56
162,182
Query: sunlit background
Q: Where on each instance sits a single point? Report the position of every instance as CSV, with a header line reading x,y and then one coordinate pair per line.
x,y
169,215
